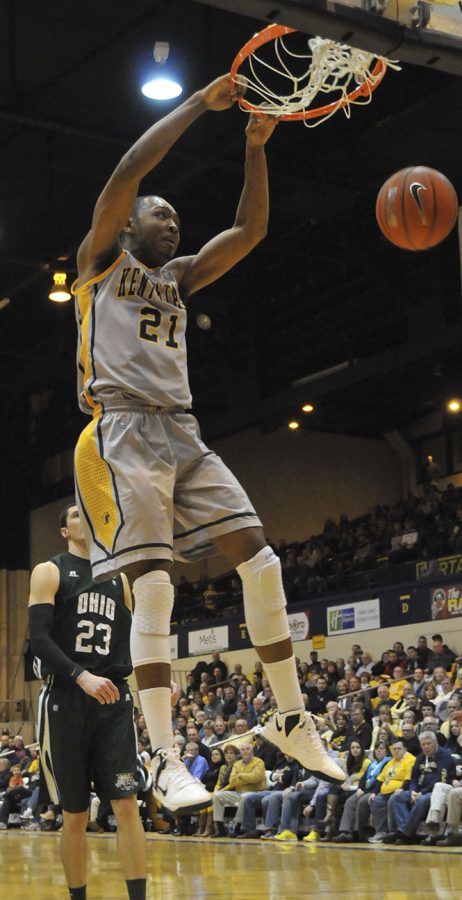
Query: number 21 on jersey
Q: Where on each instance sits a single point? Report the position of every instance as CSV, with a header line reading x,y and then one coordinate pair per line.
x,y
154,326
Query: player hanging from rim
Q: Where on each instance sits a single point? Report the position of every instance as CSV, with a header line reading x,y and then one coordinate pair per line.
x,y
80,634
148,488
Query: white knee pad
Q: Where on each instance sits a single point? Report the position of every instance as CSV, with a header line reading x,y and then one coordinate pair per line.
x,y
264,599
150,632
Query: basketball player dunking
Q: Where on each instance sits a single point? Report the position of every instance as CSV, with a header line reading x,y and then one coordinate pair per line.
x,y
80,634
148,488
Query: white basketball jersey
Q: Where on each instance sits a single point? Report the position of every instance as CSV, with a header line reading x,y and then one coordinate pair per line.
x,y
132,343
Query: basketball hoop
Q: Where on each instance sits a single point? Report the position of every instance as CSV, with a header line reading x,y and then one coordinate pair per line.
x,y
325,67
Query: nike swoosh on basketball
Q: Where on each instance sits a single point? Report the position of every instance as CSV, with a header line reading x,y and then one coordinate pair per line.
x,y
414,188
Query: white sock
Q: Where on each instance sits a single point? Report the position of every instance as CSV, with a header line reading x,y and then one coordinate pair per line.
x,y
284,684
157,710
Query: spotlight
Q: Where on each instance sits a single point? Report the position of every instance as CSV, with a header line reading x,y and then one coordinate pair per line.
x,y
59,292
308,407
454,405
294,425
161,89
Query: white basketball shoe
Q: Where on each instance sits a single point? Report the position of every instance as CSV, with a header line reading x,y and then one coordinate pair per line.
x,y
174,787
295,734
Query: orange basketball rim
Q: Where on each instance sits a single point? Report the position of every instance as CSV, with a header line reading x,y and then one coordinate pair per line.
x,y
271,33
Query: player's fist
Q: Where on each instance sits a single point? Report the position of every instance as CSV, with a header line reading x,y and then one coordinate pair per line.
x,y
221,93
259,128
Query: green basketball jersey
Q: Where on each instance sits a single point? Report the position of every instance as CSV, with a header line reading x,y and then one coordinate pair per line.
x,y
92,622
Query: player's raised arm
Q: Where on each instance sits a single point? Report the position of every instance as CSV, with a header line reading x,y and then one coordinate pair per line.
x,y
114,205
250,224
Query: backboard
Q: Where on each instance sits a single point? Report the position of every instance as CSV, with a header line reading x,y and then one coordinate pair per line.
x,y
444,19
414,31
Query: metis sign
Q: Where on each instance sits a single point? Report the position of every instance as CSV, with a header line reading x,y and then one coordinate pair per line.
x,y
362,616
208,640
299,625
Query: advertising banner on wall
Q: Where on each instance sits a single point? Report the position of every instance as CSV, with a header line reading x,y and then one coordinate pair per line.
x,y
208,640
447,565
362,616
446,602
299,625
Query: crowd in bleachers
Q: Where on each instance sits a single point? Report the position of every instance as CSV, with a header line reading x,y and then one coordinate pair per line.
x,y
420,528
375,715
392,724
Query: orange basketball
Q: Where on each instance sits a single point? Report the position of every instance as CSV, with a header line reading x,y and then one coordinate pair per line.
x,y
416,208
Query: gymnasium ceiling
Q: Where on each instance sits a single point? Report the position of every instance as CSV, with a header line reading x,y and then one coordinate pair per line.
x,y
324,291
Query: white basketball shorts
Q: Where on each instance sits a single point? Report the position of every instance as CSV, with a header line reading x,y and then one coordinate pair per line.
x,y
149,488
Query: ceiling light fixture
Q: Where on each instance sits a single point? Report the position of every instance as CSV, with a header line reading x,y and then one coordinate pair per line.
x,y
59,292
294,425
454,405
308,407
161,88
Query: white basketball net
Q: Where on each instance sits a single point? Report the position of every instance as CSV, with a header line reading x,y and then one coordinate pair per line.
x,y
331,68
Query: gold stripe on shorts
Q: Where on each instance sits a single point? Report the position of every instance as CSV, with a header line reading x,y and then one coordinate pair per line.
x,y
96,487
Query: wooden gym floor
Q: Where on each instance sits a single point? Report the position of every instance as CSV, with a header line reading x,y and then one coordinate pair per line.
x,y
204,869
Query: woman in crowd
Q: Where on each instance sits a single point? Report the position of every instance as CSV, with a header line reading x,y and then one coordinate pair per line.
x,y
357,807
383,721
209,779
429,692
454,739
356,765
231,754
332,674
409,718
338,739
207,734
